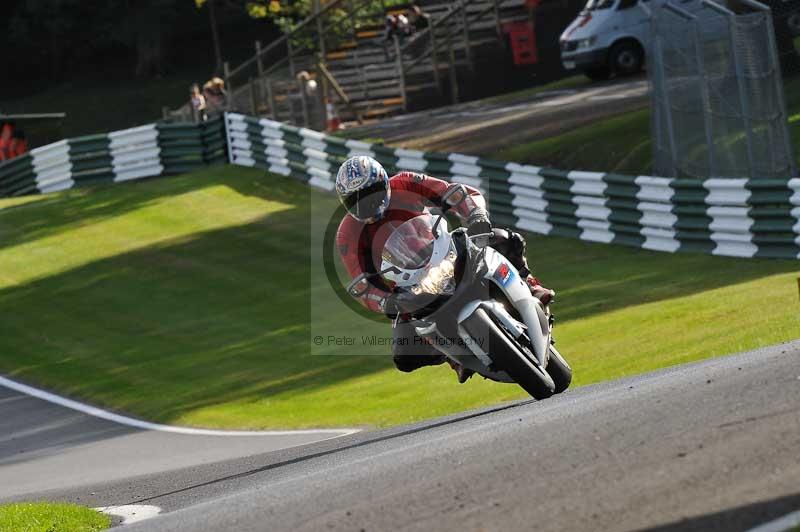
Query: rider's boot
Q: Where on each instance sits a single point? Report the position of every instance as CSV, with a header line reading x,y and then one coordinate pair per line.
x,y
545,295
463,373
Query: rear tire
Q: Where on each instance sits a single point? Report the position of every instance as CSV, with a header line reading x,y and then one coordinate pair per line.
x,y
507,356
559,370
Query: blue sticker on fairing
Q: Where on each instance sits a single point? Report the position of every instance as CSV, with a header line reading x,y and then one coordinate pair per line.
x,y
503,274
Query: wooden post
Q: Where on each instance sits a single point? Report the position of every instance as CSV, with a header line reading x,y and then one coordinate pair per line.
x,y
253,102
467,44
320,29
226,69
290,55
398,55
434,55
260,67
497,27
453,73
352,16
259,63
271,99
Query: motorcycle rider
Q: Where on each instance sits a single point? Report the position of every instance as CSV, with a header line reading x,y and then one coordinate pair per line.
x,y
377,204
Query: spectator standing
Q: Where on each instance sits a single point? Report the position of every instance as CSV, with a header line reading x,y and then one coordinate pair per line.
x,y
389,32
395,26
198,103
417,18
6,135
404,27
19,144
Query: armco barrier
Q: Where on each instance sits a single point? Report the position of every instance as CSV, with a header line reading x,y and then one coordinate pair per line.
x,y
136,153
731,217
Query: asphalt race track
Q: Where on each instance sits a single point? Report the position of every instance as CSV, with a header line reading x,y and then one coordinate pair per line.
x,y
45,446
480,128
707,446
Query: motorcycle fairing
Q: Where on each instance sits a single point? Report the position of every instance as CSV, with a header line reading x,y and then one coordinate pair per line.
x,y
502,273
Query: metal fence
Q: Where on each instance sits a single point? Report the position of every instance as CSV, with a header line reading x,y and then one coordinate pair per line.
x,y
719,107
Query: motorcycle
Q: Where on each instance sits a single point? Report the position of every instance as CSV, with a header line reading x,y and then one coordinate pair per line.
x,y
470,302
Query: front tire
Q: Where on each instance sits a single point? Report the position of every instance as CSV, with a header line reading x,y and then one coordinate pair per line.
x,y
626,58
559,370
507,355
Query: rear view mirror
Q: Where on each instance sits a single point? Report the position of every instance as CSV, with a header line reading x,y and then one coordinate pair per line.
x,y
358,286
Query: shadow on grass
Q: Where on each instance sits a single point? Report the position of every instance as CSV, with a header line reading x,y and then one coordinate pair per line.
x,y
225,315
216,317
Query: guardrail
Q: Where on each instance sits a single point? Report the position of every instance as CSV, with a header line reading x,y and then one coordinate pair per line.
x,y
129,154
730,217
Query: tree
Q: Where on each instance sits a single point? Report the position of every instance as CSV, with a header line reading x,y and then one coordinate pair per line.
x,y
64,33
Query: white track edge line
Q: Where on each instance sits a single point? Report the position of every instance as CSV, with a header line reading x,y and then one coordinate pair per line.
x,y
131,513
787,522
146,425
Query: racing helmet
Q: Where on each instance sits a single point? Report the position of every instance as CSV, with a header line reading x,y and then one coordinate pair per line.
x,y
362,186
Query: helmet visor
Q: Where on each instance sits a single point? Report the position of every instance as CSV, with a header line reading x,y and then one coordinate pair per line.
x,y
366,203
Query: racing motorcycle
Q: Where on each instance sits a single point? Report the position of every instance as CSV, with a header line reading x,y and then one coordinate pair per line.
x,y
470,302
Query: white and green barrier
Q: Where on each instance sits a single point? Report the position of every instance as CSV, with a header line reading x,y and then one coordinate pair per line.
x,y
135,153
731,217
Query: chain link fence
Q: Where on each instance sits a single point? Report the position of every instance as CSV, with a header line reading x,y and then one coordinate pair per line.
x,y
719,106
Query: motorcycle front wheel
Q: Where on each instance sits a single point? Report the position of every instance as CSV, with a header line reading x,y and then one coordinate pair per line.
x,y
559,370
508,356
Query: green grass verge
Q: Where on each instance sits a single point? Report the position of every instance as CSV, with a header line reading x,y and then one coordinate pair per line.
x,y
51,517
621,144
188,300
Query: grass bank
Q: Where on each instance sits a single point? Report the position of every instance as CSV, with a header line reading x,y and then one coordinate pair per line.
x,y
621,144
51,517
194,300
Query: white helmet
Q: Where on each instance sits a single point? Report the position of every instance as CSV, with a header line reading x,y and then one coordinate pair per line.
x,y
363,188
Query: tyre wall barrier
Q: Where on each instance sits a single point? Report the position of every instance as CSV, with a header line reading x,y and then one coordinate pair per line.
x,y
730,217
135,153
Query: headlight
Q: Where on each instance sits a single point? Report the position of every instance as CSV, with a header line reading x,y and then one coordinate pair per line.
x,y
439,279
586,43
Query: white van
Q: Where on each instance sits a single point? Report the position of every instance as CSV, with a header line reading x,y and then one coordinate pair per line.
x,y
607,37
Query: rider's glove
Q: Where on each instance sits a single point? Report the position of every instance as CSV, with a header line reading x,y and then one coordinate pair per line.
x,y
397,303
391,305
479,224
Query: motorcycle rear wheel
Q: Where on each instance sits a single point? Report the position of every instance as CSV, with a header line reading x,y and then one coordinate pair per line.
x,y
508,356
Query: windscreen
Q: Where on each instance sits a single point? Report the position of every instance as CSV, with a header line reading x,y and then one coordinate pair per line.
x,y
411,245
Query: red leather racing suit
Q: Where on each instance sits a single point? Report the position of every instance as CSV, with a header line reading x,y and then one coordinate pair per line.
x,y
360,245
